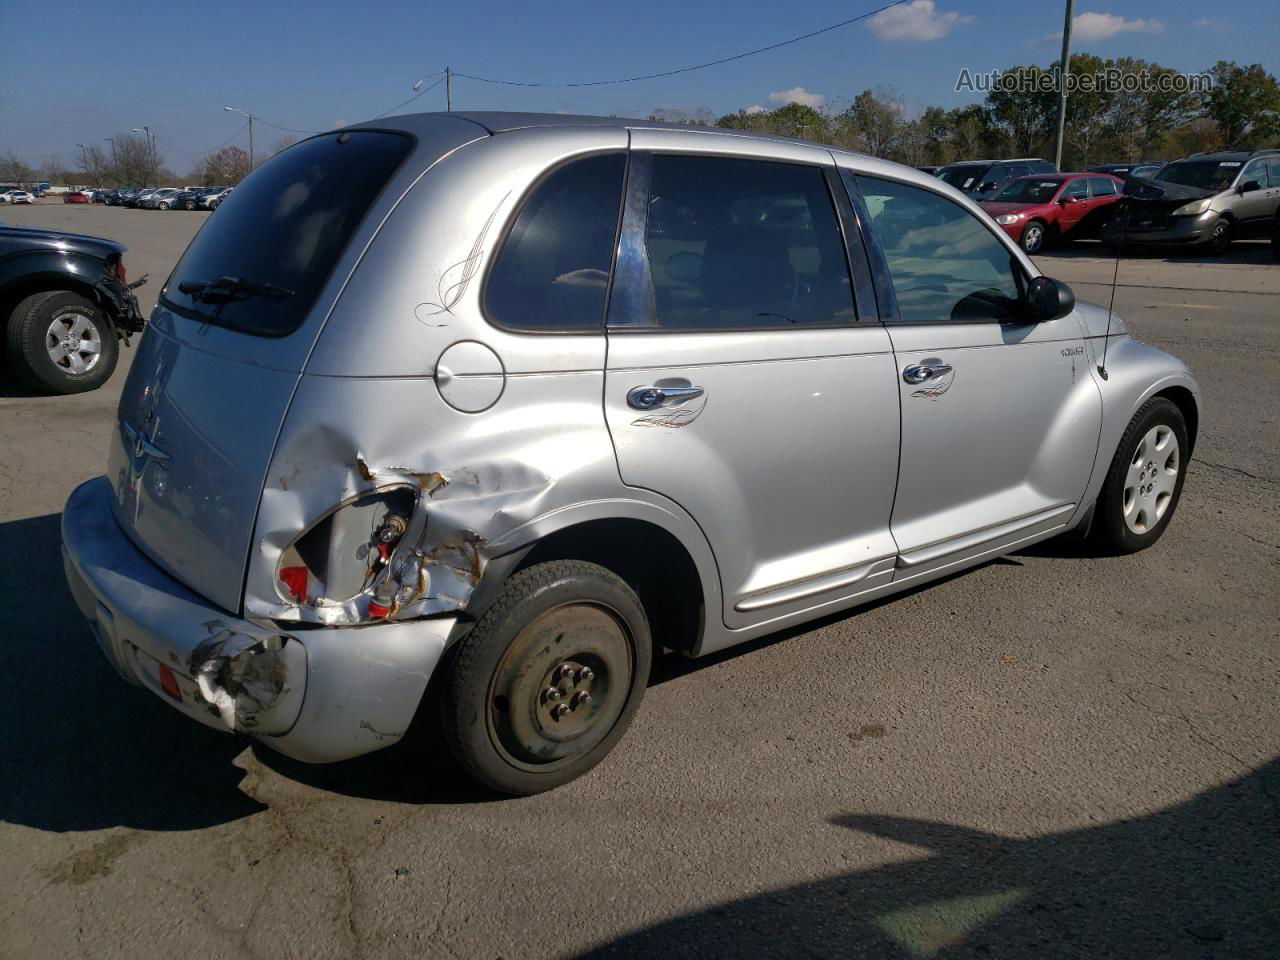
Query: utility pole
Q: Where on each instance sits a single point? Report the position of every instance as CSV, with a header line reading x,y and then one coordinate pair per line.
x,y
151,146
448,88
1063,70
84,159
250,116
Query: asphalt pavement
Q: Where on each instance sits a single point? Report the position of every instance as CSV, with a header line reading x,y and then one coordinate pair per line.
x,y
1055,755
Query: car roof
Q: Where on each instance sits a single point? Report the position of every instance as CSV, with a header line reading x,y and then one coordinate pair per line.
x,y
1226,155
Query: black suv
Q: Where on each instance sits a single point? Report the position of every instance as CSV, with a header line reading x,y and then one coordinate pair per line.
x,y
980,179
65,302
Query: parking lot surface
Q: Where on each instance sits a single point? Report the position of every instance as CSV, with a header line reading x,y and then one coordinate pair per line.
x,y
1055,755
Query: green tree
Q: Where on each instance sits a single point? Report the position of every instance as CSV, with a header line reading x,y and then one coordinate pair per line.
x,y
1244,102
1026,110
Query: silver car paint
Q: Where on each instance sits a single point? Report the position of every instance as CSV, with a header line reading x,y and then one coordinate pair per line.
x,y
782,499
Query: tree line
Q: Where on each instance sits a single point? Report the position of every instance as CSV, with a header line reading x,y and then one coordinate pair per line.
x,y
129,160
1241,109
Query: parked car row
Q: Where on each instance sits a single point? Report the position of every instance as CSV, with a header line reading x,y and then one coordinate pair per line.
x,y
1204,201
16,196
167,198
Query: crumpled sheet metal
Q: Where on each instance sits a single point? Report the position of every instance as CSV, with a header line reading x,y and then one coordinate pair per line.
x,y
441,557
254,682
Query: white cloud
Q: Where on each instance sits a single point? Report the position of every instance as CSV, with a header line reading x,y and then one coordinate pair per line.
x,y
917,20
1207,23
797,95
1099,26
755,108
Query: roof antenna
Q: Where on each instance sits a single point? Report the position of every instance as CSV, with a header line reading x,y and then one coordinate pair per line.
x,y
1106,340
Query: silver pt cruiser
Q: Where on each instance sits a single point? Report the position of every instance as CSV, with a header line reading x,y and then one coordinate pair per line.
x,y
504,402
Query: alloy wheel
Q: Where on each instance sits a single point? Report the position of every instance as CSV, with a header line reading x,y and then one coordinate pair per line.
x,y
1151,479
73,343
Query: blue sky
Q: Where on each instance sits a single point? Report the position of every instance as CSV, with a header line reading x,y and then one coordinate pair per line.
x,y
70,73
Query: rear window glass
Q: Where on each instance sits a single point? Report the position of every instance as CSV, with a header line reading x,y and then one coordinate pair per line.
x,y
553,270
260,262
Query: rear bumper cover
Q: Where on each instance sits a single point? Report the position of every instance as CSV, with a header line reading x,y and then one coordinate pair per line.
x,y
1194,229
316,695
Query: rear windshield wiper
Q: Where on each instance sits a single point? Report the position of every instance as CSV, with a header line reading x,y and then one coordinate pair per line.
x,y
230,288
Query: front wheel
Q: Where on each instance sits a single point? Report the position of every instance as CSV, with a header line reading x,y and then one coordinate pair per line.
x,y
164,205
59,342
190,205
1144,482
1219,237
1033,236
546,683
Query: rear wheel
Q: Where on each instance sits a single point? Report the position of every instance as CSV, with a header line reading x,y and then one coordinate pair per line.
x,y
1145,479
546,683
59,342
1033,237
164,204
189,205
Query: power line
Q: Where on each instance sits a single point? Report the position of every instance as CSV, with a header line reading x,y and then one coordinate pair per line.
x,y
414,97
258,119
698,66
211,149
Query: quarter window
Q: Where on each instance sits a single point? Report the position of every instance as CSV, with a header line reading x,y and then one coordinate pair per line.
x,y
744,244
946,265
552,272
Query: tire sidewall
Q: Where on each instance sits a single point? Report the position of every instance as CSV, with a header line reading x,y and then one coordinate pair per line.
x,y
530,594
1110,519
29,357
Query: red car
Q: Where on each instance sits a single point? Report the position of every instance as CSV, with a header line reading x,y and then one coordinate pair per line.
x,y
1043,208
75,196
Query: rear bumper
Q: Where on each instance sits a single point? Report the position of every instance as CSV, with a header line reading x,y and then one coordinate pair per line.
x,y
316,695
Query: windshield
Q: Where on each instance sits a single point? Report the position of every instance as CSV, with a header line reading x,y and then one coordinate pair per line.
x,y
285,227
1205,174
1028,190
965,176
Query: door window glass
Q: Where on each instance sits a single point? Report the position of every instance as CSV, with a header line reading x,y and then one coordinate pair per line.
x,y
1102,187
946,265
553,270
1077,189
744,244
1255,170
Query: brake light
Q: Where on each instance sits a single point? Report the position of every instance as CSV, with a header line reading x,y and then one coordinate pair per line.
x,y
120,271
347,554
169,682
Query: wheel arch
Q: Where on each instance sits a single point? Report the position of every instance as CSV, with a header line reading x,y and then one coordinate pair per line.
x,y
663,557
1185,401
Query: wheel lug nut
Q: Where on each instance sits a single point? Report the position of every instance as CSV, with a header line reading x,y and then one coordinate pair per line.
x,y
559,710
581,699
552,693
585,674
566,672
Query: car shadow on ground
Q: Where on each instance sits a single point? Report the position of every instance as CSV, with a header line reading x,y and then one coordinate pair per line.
x,y
1197,880
84,750
1241,252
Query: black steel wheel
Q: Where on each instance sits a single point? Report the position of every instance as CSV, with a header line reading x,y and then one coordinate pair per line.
x,y
546,683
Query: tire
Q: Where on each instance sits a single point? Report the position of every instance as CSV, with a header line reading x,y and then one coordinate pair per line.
x,y
1144,483
1275,239
163,205
1034,235
1219,237
189,205
33,332
548,625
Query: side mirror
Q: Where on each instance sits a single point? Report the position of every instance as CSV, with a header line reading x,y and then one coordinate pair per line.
x,y
1070,198
1250,185
1048,299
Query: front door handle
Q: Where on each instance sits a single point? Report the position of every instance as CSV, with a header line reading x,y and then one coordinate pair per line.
x,y
929,369
651,397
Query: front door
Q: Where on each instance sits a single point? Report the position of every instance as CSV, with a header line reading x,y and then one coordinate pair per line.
x,y
1000,417
740,382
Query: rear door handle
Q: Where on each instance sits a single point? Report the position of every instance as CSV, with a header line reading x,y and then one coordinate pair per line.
x,y
651,397
929,369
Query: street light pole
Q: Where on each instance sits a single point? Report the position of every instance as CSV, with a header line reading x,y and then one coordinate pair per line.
x,y
84,159
151,146
448,88
250,116
1063,70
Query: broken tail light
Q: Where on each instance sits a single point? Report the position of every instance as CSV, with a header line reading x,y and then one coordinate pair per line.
x,y
348,553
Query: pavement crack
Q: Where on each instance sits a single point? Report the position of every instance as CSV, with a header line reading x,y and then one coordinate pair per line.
x,y
1230,469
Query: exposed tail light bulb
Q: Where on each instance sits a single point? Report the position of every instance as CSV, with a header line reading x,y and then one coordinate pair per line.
x,y
120,271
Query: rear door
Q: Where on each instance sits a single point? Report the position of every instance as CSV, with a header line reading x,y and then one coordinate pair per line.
x,y
741,380
1000,417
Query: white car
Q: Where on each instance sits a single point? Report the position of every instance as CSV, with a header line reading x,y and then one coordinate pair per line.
x,y
18,196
